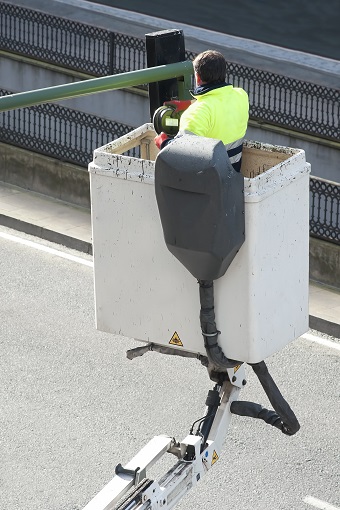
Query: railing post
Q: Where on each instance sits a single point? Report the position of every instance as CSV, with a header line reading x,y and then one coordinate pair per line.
x,y
112,53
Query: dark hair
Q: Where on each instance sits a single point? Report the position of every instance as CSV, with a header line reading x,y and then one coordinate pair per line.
x,y
210,66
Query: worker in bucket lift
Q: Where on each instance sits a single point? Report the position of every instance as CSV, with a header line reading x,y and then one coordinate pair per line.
x,y
220,111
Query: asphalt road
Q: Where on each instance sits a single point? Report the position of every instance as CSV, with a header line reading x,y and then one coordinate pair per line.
x,y
73,406
309,26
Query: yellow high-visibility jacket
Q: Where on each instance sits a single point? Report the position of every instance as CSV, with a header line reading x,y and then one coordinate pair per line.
x,y
220,111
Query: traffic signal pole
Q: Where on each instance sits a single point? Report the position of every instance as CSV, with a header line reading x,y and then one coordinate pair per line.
x,y
180,70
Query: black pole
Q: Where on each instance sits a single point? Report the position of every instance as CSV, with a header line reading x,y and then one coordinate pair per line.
x,y
164,47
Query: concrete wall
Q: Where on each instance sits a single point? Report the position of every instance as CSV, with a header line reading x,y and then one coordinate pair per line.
x,y
48,176
324,262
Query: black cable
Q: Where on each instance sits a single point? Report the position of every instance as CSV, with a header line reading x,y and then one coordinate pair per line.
x,y
281,406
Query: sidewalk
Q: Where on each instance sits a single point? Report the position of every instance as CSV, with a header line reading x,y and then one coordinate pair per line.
x,y
70,226
45,217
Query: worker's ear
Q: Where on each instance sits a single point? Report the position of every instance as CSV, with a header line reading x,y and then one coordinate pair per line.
x,y
198,80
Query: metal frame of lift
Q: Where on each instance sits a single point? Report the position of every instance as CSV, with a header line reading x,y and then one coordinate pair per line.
x,y
196,454
130,489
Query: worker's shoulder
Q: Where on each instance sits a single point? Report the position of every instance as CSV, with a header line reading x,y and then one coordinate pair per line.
x,y
240,92
240,97
196,116
200,105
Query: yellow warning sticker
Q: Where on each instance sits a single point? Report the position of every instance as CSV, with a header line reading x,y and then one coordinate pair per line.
x,y
236,368
214,458
175,340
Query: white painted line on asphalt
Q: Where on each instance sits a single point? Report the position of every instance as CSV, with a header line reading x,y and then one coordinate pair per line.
x,y
321,341
317,503
46,249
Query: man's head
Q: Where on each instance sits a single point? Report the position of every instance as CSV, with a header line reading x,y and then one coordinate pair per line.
x,y
210,66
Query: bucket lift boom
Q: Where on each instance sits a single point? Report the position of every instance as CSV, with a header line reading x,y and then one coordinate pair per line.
x,y
198,451
130,489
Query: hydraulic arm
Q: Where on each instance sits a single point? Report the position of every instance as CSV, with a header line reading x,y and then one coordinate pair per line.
x,y
131,489
196,454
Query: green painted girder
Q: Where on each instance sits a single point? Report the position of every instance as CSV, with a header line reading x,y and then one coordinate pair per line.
x,y
118,81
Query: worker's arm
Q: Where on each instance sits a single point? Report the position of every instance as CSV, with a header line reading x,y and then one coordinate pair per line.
x,y
195,120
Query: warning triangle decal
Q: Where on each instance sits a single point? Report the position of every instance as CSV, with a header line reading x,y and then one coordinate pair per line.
x,y
214,458
236,368
175,340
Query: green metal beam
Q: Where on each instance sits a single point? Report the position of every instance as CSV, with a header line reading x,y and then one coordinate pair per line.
x,y
86,87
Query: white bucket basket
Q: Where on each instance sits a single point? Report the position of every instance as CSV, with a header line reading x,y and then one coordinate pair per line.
x,y
142,291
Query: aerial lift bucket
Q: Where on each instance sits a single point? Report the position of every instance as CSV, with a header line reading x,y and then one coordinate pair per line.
x,y
141,289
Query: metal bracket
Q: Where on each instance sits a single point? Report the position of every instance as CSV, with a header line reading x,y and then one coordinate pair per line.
x,y
135,473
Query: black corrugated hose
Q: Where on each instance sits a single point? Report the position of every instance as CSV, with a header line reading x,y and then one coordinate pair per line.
x,y
210,333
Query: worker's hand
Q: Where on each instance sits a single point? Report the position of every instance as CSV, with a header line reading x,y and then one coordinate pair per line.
x,y
159,139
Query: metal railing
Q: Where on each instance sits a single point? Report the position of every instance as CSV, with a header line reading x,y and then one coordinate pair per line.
x,y
59,132
68,43
294,104
325,210
274,99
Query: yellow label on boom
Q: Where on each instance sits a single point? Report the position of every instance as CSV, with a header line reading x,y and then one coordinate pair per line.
x,y
236,368
215,458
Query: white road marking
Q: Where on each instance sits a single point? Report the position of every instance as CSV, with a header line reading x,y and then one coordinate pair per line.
x,y
46,249
317,503
321,341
